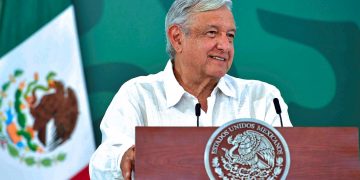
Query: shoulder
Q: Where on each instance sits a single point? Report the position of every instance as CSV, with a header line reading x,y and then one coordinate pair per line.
x,y
141,87
250,86
151,80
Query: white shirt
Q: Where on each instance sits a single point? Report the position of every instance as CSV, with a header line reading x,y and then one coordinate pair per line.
x,y
159,100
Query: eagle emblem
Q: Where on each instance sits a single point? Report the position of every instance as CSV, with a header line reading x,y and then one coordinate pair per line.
x,y
251,154
36,116
246,149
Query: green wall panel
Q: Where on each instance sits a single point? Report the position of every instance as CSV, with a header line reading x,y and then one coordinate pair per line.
x,y
309,49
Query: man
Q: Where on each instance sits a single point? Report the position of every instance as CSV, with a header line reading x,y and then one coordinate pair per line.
x,y
200,36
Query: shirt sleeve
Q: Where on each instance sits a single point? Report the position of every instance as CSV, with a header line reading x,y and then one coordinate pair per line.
x,y
118,134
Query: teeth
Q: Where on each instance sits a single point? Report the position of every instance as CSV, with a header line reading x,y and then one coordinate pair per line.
x,y
218,58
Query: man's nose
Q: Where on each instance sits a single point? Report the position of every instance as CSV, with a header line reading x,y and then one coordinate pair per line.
x,y
224,43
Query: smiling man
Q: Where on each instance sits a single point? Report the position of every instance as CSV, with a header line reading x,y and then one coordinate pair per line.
x,y
200,36
204,53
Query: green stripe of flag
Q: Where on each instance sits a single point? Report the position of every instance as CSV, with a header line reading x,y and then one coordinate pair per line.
x,y
20,19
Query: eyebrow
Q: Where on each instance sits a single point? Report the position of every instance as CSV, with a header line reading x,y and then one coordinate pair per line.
x,y
216,27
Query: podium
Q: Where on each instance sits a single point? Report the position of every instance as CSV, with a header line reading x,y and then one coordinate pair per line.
x,y
315,152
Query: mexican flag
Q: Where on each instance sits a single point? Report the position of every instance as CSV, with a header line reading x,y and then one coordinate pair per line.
x,y
45,123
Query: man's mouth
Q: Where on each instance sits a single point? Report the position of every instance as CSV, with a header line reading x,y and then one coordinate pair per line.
x,y
217,58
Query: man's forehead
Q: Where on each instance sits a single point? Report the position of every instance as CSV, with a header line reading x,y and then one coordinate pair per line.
x,y
213,24
219,18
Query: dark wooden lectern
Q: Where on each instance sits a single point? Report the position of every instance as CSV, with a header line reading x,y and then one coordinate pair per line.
x,y
178,152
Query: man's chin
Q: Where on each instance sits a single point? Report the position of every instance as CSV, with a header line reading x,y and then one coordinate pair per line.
x,y
220,74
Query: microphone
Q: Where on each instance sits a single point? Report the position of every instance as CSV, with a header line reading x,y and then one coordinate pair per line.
x,y
278,109
197,113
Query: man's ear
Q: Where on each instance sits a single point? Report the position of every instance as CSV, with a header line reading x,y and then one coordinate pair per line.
x,y
175,36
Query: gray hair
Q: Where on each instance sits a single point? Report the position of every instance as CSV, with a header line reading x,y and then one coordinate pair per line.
x,y
180,11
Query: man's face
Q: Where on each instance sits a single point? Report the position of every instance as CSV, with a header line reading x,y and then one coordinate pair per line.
x,y
208,48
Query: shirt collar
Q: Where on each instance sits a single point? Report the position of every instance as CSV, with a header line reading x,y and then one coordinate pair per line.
x,y
174,91
226,87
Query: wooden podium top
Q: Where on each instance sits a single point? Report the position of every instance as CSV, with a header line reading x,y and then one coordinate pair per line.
x,y
178,152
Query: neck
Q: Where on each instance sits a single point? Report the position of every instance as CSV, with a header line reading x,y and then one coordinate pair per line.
x,y
196,85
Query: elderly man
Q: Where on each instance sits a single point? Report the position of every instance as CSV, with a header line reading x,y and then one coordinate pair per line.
x,y
200,42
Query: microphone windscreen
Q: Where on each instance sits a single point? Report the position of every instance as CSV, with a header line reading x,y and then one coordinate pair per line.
x,y
197,109
277,105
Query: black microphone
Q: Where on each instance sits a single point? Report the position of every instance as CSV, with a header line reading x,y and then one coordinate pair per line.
x,y
278,109
197,113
